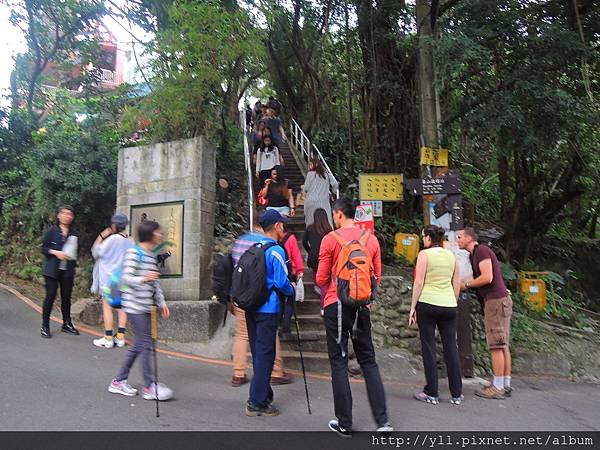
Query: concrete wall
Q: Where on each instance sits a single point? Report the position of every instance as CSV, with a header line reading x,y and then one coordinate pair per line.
x,y
169,172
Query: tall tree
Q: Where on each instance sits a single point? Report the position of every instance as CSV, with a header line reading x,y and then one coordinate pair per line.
x,y
206,56
56,34
517,103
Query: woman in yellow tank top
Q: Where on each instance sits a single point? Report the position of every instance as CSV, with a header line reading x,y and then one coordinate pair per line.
x,y
435,290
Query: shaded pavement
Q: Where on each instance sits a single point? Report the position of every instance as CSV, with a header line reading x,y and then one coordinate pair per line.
x,y
61,384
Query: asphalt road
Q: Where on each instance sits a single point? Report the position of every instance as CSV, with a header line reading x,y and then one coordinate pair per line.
x,y
61,384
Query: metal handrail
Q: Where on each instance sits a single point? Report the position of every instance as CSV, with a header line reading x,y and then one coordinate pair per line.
x,y
248,170
307,150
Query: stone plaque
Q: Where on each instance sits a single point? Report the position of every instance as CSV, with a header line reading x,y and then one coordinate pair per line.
x,y
170,217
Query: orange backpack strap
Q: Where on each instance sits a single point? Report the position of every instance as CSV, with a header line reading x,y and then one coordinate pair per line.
x,y
364,238
339,238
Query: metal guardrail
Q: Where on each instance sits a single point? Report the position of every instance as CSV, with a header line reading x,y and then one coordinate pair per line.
x,y
249,173
301,143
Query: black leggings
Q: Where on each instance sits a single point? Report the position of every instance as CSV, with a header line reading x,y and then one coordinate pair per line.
x,y
66,287
428,317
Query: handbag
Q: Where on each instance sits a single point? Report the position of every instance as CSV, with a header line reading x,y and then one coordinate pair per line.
x,y
262,200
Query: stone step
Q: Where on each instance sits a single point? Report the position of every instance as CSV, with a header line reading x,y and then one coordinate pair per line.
x,y
310,322
309,276
310,341
313,361
310,306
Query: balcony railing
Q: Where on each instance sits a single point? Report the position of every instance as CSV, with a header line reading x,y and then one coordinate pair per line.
x,y
109,77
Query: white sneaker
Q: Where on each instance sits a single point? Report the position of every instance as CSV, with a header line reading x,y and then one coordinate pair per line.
x,y
164,393
385,428
121,387
119,342
104,343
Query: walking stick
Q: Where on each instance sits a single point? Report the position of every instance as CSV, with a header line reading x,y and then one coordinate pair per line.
x,y
154,326
302,362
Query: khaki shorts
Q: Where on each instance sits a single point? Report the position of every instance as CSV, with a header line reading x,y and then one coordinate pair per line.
x,y
498,312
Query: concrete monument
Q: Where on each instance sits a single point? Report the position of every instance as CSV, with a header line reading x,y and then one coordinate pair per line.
x,y
175,184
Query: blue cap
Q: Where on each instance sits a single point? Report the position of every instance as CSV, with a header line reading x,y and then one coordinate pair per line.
x,y
270,217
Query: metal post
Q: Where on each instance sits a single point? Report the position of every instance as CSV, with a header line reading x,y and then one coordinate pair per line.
x,y
463,333
248,171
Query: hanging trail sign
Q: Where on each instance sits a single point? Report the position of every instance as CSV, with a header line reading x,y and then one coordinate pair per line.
x,y
433,186
434,157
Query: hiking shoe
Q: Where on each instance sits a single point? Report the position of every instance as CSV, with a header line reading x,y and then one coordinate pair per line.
x,y
423,397
334,425
254,411
104,342
457,400
164,392
507,390
385,428
238,381
69,328
119,342
45,332
121,387
278,381
491,392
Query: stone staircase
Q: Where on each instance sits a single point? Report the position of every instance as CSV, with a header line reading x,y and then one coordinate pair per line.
x,y
310,323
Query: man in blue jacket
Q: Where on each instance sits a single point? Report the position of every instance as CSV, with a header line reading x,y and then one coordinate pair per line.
x,y
262,324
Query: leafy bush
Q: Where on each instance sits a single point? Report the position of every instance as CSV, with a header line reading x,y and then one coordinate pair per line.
x,y
30,272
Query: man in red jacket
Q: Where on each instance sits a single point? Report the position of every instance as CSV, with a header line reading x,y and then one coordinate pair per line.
x,y
343,217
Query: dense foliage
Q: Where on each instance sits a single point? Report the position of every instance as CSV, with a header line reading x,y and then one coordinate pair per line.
x,y
515,82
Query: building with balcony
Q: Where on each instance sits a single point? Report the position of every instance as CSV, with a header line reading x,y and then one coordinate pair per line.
x,y
106,72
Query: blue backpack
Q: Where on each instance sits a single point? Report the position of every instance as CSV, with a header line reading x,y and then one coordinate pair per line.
x,y
113,292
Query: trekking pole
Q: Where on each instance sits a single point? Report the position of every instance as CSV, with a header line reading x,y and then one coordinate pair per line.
x,y
302,363
154,326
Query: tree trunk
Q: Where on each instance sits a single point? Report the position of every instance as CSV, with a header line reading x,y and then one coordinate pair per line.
x,y
427,95
426,76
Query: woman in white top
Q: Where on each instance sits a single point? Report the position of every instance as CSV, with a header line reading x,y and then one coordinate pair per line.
x,y
109,250
267,157
317,187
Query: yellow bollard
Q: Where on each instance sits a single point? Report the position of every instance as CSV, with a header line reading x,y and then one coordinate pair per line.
x,y
407,245
533,287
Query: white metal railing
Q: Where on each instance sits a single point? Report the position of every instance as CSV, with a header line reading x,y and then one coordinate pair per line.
x,y
249,173
301,143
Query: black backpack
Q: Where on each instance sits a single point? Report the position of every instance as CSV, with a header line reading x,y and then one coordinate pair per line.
x,y
221,277
249,280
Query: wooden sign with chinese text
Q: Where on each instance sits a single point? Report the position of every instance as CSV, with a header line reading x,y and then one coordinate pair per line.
x,y
433,186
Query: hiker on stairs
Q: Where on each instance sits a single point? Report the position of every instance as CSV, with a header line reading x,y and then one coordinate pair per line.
x,y
318,187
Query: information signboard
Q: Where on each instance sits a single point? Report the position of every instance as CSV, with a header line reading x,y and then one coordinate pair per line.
x,y
387,187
